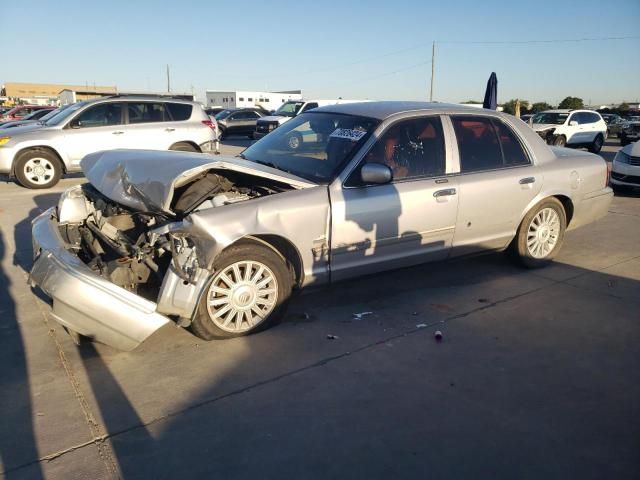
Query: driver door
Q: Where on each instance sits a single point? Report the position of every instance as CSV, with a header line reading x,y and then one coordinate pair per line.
x,y
99,127
407,221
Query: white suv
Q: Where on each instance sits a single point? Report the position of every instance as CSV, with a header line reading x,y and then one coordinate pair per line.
x,y
571,128
38,157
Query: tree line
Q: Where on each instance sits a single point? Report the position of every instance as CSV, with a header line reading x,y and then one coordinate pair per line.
x,y
571,103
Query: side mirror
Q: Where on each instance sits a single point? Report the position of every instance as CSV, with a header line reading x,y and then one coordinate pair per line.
x,y
573,123
75,124
376,174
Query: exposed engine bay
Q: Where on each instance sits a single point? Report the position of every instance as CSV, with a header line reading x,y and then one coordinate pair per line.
x,y
130,248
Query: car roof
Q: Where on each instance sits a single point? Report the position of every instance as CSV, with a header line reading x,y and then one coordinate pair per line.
x,y
138,98
385,109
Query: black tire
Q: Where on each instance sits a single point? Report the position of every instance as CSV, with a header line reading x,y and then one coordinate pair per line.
x,y
560,141
183,147
597,144
294,141
624,140
221,133
28,165
205,327
519,249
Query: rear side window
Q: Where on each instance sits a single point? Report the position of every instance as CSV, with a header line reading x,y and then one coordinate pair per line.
x,y
146,112
179,111
486,144
512,151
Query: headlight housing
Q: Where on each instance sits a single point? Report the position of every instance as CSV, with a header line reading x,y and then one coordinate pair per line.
x,y
4,140
621,157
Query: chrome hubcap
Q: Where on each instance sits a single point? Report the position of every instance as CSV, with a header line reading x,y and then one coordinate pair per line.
x,y
241,296
39,170
543,232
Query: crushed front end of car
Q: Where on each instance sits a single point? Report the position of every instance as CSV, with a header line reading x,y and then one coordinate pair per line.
x,y
124,255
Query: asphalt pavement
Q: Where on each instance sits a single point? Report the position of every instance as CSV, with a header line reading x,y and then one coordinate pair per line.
x,y
536,375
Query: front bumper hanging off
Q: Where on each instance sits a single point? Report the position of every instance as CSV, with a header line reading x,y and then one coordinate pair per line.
x,y
82,300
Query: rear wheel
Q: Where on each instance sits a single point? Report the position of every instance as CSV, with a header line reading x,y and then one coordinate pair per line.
x,y
560,141
38,169
249,291
183,147
596,146
540,234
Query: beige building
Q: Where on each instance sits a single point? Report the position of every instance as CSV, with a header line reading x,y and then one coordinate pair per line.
x,y
45,93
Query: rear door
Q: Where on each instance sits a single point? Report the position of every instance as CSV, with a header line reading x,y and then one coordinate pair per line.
x,y
99,127
148,126
496,182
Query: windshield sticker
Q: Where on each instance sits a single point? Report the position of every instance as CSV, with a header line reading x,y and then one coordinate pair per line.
x,y
348,133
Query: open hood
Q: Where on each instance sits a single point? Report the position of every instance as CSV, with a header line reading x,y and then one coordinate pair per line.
x,y
541,127
146,179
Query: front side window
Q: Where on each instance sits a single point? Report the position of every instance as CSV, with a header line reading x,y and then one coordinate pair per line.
x,y
314,146
486,144
412,148
576,117
102,115
144,112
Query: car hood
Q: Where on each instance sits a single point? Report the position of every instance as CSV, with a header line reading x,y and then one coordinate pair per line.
x,y
28,128
146,179
633,149
539,127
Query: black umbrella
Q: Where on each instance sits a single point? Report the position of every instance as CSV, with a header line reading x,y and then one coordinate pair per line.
x,y
491,94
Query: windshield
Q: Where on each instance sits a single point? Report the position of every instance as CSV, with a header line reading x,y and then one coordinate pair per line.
x,y
550,118
224,114
314,146
64,113
289,109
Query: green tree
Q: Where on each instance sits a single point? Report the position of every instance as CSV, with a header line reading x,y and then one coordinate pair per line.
x,y
623,107
571,103
540,107
470,101
510,106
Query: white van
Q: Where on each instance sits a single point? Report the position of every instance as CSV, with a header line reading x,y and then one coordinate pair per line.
x,y
289,110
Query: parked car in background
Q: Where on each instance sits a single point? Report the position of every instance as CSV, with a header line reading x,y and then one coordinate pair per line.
x,y
219,243
571,128
21,111
625,170
33,117
238,121
629,131
212,112
614,123
526,117
37,157
290,109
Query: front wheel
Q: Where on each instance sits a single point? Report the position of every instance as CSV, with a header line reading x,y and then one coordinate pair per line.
x,y
596,146
560,141
249,291
540,234
38,169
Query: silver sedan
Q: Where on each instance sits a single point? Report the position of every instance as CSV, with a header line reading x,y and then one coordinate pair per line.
x,y
219,245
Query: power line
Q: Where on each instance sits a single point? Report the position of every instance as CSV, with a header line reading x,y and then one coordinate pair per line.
x,y
527,42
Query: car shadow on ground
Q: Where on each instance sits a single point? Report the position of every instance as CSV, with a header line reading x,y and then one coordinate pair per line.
x,y
18,443
23,255
369,410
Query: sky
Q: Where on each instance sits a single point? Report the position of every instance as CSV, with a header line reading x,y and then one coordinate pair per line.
x,y
369,49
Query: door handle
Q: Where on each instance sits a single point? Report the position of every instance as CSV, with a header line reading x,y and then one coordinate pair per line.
x,y
444,193
527,180
169,129
117,132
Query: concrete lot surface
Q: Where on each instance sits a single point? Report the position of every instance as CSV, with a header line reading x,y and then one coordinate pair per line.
x,y
537,375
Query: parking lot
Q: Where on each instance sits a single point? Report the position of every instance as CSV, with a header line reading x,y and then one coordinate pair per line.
x,y
536,375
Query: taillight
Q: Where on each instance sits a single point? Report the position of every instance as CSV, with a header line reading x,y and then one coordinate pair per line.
x,y
209,124
608,176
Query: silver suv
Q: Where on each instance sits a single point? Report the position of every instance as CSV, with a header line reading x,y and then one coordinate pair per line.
x,y
38,157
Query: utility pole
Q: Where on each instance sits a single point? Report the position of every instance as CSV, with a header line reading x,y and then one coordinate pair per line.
x,y
168,80
433,68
